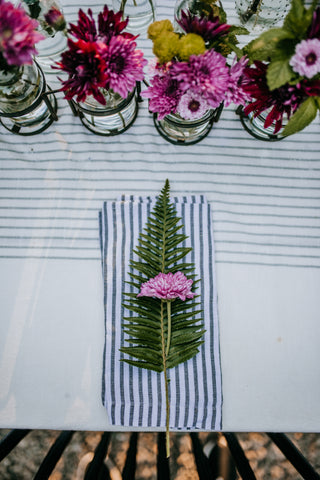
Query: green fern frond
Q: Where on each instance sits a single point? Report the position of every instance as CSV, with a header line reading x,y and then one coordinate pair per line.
x,y
161,334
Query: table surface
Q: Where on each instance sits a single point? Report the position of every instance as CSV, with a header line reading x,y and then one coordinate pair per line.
x,y
266,204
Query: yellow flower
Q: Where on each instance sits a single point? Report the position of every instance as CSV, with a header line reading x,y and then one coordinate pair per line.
x,y
166,46
158,28
190,44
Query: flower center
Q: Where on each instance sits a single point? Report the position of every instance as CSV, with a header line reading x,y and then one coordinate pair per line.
x,y
311,58
119,64
194,105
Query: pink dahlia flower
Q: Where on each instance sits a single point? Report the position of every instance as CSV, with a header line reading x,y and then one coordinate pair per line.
x,y
164,95
192,106
167,286
306,60
124,65
206,75
17,34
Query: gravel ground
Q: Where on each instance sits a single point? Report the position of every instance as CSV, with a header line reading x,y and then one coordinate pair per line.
x,y
265,458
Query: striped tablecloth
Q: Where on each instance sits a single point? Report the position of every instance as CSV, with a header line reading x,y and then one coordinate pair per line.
x,y
265,202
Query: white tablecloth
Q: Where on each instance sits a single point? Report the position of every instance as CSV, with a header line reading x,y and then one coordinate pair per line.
x,y
266,202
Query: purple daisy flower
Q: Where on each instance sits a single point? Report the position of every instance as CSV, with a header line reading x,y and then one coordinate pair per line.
x,y
164,95
167,286
192,106
206,75
124,65
17,34
306,60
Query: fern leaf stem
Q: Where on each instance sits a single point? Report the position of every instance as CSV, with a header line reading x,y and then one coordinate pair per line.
x,y
169,327
166,381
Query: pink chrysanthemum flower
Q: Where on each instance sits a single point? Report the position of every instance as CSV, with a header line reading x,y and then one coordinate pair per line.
x,y
17,34
192,106
168,286
124,65
206,75
87,71
235,93
164,95
306,60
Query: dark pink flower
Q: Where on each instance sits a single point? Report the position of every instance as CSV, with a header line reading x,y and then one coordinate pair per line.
x,y
164,95
281,101
206,75
168,286
306,59
111,24
86,28
55,19
124,65
84,63
207,26
17,34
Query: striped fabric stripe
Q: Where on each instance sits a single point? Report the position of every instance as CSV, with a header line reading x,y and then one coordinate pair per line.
x,y
135,397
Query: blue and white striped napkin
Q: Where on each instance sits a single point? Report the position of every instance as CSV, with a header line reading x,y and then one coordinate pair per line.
x,y
136,397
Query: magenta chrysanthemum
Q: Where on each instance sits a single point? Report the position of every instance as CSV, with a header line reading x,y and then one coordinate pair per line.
x,y
235,93
206,75
17,34
306,60
86,28
192,106
168,286
124,65
164,95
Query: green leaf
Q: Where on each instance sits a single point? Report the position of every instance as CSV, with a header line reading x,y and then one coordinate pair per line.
x,y
263,47
305,114
278,74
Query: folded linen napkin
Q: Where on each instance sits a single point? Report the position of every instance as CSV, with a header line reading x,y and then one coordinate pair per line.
x,y
136,397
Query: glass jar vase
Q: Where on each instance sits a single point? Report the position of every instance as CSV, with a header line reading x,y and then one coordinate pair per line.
x,y
111,119
52,25
255,126
27,105
259,15
140,12
179,131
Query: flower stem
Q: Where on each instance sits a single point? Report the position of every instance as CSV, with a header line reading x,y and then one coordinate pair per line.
x,y
166,380
169,327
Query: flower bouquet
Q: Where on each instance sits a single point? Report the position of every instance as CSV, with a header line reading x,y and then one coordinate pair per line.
x,y
284,78
23,108
192,79
103,67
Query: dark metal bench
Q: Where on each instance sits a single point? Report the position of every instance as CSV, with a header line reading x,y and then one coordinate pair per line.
x,y
223,462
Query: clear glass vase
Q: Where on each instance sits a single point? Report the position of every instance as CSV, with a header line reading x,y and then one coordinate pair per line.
x,y
196,7
255,126
27,105
140,12
259,15
179,131
50,49
111,119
